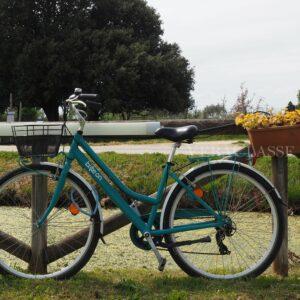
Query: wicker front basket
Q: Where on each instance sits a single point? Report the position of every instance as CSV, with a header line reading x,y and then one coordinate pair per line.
x,y
38,140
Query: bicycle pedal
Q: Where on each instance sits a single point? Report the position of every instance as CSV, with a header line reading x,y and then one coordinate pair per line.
x,y
162,264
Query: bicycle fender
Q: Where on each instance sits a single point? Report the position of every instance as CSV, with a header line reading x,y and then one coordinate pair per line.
x,y
90,188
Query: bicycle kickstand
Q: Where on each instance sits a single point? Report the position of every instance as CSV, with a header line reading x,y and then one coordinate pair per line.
x,y
161,260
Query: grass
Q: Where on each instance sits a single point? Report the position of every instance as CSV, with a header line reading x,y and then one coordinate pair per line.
x,y
145,284
120,271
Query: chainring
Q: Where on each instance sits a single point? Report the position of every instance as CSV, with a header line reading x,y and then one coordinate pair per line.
x,y
139,240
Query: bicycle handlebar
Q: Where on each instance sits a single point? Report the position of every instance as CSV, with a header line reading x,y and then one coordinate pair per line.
x,y
78,98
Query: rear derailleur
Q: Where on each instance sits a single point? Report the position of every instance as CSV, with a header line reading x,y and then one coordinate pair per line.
x,y
227,230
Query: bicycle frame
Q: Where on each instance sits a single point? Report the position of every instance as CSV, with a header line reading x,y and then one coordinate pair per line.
x,y
114,195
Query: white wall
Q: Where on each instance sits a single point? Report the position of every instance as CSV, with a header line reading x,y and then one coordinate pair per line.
x,y
97,128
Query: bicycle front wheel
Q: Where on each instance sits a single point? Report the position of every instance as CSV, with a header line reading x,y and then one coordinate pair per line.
x,y
63,245
248,244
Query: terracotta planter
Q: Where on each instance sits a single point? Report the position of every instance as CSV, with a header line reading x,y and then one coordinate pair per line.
x,y
275,141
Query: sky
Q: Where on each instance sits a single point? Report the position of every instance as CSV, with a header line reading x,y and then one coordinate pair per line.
x,y
255,42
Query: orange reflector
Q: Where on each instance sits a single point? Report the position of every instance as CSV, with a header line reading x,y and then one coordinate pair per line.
x,y
198,192
73,209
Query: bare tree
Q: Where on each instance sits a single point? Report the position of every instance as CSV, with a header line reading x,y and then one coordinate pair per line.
x,y
245,104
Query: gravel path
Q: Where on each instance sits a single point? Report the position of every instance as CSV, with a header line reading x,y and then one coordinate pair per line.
x,y
213,147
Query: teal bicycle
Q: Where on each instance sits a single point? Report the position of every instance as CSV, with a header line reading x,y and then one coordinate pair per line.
x,y
221,219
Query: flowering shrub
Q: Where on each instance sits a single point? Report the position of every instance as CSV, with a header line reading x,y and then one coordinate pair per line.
x,y
260,120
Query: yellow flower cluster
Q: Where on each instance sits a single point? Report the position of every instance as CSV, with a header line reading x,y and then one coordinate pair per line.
x,y
259,120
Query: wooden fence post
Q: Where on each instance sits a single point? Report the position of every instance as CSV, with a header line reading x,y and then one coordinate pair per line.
x,y
39,199
280,180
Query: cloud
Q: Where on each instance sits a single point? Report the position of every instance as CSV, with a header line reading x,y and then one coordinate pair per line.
x,y
229,42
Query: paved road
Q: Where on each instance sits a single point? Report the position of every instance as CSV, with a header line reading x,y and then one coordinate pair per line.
x,y
215,147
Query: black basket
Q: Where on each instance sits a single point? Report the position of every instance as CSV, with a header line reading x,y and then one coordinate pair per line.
x,y
38,140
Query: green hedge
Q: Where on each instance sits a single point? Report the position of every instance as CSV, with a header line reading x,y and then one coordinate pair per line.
x,y
141,172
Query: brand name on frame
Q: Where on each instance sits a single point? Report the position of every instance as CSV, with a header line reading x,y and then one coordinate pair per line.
x,y
93,170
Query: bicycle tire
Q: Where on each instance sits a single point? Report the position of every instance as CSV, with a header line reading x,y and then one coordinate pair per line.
x,y
276,210
89,202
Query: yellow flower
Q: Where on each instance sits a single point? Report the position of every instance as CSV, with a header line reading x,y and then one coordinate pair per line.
x,y
239,119
259,120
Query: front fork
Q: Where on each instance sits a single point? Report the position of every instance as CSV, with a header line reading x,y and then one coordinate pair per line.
x,y
57,192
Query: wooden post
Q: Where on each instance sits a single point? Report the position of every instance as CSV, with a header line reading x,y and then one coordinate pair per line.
x,y
39,201
280,180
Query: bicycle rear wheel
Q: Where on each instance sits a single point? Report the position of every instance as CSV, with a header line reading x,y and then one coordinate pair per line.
x,y
60,247
248,246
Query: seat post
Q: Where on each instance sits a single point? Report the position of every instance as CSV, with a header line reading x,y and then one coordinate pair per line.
x,y
174,148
